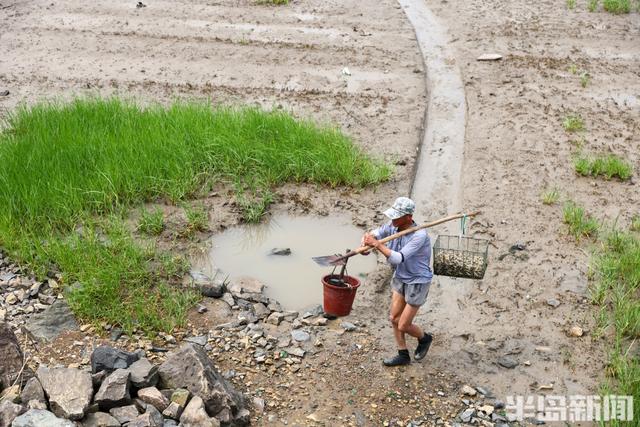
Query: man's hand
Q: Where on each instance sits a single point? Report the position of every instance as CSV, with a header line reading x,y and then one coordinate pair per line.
x,y
370,240
362,242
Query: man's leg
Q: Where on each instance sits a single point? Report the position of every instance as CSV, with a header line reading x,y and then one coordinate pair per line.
x,y
398,305
405,324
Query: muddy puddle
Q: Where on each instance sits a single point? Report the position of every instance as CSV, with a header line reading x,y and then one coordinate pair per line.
x,y
294,279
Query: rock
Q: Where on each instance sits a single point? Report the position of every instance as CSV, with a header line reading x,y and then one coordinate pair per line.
x,y
543,349
466,415
576,331
146,420
5,93
300,335
485,392
199,340
105,358
195,415
258,405
152,396
348,326
295,351
507,362
69,390
487,409
9,411
40,418
173,411
275,318
11,299
320,321
261,310
37,404
280,251
11,358
190,368
316,310
468,391
32,391
48,324
181,397
246,285
489,57
116,333
170,423
143,373
124,414
247,317
284,342
114,390
213,288
3,314
553,302
100,419
228,298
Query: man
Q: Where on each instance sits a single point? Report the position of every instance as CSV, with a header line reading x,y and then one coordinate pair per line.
x,y
409,256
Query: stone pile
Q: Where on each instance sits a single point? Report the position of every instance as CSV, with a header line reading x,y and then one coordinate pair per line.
x,y
123,388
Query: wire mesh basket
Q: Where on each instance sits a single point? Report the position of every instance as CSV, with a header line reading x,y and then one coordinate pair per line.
x,y
460,256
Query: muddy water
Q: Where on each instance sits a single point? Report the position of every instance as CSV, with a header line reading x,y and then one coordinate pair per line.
x,y
293,280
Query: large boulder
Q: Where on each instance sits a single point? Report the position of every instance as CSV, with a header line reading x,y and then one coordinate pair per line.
x,y
69,390
11,358
189,367
9,411
50,323
153,397
40,418
114,390
105,358
247,285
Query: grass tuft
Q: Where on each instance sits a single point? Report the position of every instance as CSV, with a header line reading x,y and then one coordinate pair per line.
x,y
617,6
197,219
579,222
584,79
550,196
592,5
82,165
151,223
609,166
635,223
573,123
571,4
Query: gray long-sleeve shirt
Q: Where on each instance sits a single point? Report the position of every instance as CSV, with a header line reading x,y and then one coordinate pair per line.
x,y
410,254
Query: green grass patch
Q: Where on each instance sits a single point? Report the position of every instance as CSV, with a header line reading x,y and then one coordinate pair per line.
x,y
573,123
609,166
197,219
571,4
580,223
635,223
151,223
616,290
617,6
592,5
550,196
82,165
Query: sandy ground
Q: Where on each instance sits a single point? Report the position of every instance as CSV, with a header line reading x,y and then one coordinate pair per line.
x,y
515,147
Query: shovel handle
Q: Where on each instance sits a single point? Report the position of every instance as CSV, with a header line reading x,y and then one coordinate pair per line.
x,y
410,230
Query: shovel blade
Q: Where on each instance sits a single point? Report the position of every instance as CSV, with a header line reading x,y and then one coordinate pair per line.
x,y
330,260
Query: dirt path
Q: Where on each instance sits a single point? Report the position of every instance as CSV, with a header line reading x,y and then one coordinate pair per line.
x,y
514,147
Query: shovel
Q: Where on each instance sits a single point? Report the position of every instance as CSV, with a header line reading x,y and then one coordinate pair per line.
x,y
330,260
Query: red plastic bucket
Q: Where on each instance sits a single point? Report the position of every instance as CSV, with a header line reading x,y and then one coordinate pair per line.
x,y
339,299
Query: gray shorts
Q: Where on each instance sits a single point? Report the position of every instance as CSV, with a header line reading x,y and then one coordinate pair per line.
x,y
414,294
